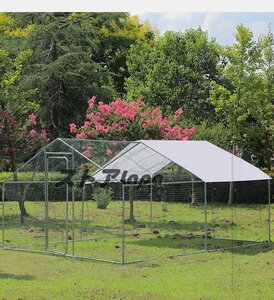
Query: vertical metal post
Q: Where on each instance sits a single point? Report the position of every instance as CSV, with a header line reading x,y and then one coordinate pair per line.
x,y
67,210
151,199
123,224
82,209
205,216
3,214
72,199
269,210
46,204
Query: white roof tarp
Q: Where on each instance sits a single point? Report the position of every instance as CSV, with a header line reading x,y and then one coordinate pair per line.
x,y
207,161
201,158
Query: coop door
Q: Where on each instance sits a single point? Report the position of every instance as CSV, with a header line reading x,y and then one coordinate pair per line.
x,y
57,194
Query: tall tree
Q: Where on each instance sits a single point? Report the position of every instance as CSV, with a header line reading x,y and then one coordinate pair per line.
x,y
75,55
117,36
244,102
176,72
266,118
61,67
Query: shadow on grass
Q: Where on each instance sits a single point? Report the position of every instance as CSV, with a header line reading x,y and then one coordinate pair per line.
x,y
15,276
187,225
59,224
191,243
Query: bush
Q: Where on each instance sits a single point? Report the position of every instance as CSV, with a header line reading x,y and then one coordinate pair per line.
x,y
4,175
102,197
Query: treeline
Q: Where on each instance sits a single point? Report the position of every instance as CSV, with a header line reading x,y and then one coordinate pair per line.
x,y
54,62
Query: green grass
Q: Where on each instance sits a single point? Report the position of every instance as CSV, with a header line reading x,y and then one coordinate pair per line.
x,y
245,273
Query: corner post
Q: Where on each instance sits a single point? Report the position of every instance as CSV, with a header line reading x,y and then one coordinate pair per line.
x,y
205,208
123,224
72,200
151,202
3,214
269,212
46,203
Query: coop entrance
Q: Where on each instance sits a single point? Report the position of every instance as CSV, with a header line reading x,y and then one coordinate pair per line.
x,y
58,202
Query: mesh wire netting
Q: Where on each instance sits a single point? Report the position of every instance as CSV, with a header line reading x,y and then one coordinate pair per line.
x,y
124,202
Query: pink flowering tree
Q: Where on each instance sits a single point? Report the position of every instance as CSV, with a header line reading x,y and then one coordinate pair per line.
x,y
20,136
121,120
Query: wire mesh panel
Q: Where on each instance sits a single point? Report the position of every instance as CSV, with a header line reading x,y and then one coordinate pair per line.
x,y
238,213
23,218
165,222
98,201
98,222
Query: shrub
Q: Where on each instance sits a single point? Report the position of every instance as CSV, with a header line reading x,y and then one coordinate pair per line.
x,y
102,197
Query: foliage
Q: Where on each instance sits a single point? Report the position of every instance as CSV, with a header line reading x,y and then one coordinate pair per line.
x,y
245,102
8,27
176,72
216,134
102,197
74,55
4,175
117,36
266,118
20,138
28,176
19,131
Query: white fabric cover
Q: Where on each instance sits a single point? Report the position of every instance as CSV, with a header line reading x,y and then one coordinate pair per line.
x,y
201,158
207,161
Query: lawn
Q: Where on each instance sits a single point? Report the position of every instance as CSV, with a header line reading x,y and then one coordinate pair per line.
x,y
245,273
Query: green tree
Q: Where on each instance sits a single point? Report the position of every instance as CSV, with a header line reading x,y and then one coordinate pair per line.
x,y
266,115
75,55
61,67
176,72
244,102
117,35
217,134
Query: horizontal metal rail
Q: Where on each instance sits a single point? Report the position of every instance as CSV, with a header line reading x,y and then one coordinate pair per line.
x,y
58,153
194,253
55,253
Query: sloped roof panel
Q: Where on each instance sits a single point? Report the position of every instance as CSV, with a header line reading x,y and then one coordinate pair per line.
x,y
207,161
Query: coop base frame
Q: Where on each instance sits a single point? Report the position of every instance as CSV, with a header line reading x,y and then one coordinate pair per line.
x,y
251,244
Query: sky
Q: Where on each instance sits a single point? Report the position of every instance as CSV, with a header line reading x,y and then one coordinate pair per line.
x,y
218,25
